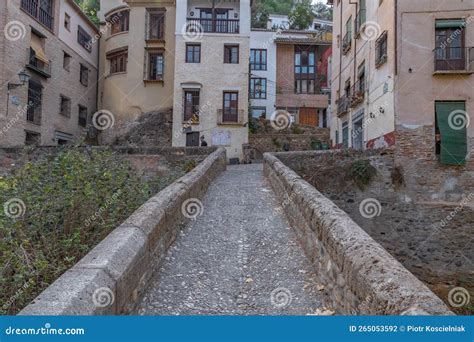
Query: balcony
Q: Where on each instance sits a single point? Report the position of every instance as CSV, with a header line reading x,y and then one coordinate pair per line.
x,y
357,94
213,25
360,20
40,10
454,60
343,105
347,42
230,116
38,65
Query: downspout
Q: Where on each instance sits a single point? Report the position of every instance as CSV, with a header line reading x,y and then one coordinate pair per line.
x,y
340,50
355,40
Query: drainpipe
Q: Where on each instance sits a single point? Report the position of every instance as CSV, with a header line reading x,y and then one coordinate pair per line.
x,y
355,39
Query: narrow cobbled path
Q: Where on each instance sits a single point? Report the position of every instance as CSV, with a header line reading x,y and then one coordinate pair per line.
x,y
239,257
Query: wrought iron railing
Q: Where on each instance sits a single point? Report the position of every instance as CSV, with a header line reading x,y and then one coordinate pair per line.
x,y
41,10
454,59
230,116
37,64
213,25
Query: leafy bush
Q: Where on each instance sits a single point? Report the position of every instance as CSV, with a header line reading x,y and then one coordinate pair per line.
x,y
361,172
72,201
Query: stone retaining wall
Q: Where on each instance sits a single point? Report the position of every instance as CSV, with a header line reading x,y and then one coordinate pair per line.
x,y
364,277
111,278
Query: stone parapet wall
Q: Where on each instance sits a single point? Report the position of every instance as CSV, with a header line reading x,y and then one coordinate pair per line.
x,y
364,277
262,143
111,278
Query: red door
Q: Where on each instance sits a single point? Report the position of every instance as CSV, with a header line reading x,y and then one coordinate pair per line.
x,y
309,116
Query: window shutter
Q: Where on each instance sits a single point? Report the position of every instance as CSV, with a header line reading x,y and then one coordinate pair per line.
x,y
453,141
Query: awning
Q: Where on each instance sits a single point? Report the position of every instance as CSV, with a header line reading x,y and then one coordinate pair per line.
x,y
450,23
36,45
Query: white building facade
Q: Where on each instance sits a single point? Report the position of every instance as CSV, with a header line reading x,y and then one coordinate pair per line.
x,y
211,74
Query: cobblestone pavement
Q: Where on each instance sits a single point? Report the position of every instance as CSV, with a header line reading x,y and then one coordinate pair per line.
x,y
239,258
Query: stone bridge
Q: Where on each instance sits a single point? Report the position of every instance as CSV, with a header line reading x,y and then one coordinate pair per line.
x,y
238,240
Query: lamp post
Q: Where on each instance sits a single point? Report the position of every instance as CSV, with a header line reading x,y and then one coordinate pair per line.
x,y
24,78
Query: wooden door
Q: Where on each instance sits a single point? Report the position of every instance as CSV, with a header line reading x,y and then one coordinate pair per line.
x,y
309,116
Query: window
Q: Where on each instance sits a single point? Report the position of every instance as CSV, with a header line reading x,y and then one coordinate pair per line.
x,y
258,88
230,107
119,22
193,53
67,22
231,54
192,139
381,49
66,61
35,94
38,59
32,138
258,59
84,75
156,24
41,10
450,45
191,105
84,39
347,40
65,106
305,70
451,132
118,61
82,118
156,66
259,112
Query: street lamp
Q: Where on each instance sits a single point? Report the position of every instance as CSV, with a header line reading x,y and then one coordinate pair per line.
x,y
24,78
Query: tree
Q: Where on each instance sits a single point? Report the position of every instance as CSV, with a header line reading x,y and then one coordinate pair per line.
x,y
90,8
261,9
301,17
322,11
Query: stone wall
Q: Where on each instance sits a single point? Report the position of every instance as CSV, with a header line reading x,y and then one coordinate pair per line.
x,y
111,278
431,238
364,277
274,142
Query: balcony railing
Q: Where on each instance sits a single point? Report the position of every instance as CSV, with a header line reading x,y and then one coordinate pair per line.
x,y
357,93
454,59
36,9
343,105
37,64
213,25
347,42
230,116
360,20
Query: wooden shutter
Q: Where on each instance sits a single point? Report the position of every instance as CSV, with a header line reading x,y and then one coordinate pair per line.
x,y
453,140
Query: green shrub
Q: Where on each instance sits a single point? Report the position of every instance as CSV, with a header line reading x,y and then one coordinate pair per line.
x,y
73,200
361,172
